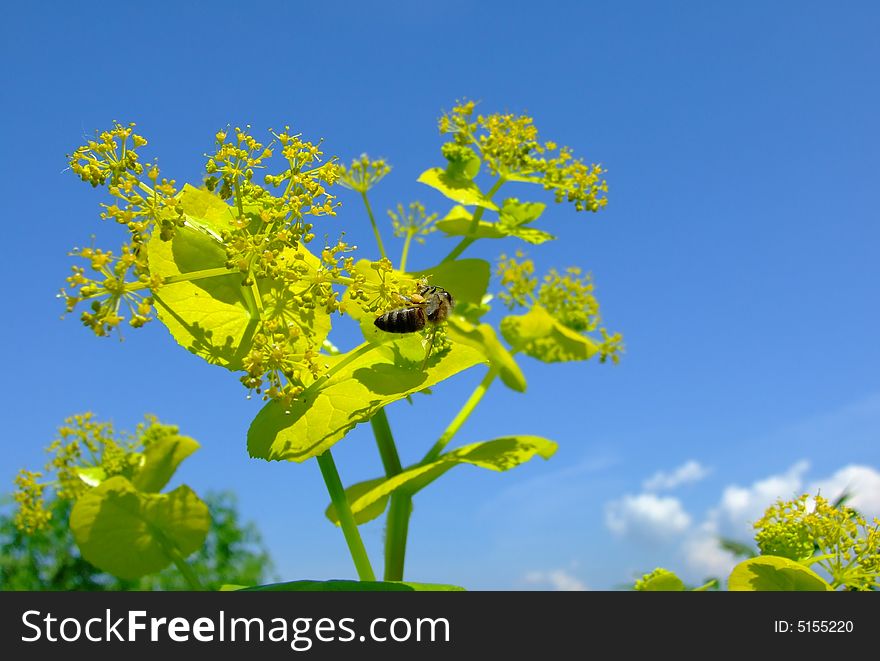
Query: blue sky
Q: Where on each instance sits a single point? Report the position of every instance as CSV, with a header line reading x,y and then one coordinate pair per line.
x,y
738,255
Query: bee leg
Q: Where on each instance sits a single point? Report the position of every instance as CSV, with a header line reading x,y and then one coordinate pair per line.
x,y
430,346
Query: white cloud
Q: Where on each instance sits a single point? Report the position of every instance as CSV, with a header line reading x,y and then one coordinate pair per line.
x,y
557,579
690,471
861,482
646,517
740,506
703,555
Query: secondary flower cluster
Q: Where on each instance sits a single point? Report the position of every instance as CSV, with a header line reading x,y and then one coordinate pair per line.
x,y
83,449
510,146
363,173
568,297
262,231
412,221
837,538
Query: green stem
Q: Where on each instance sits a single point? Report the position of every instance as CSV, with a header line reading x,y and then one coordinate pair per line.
x,y
188,574
385,441
396,532
346,518
475,223
461,416
397,522
373,223
405,252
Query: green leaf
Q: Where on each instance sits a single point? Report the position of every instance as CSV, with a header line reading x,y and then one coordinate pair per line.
x,y
773,573
541,336
91,475
353,586
359,384
462,227
484,338
216,317
355,491
513,212
461,190
464,169
531,235
524,178
204,209
458,222
129,534
500,454
662,580
161,460
466,279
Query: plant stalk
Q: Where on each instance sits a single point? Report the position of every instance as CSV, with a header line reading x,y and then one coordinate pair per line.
x,y
183,567
463,414
373,223
397,520
405,252
346,518
475,223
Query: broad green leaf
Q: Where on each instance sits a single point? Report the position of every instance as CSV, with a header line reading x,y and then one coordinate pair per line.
x,y
359,384
464,169
161,459
353,586
541,336
773,573
662,580
355,491
531,235
525,178
514,217
483,337
513,212
209,317
466,279
500,454
206,210
129,533
215,317
462,227
461,190
92,475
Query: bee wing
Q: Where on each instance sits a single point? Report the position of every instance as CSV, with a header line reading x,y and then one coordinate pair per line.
x,y
432,306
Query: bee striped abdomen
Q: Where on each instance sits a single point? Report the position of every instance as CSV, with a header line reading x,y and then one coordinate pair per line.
x,y
402,320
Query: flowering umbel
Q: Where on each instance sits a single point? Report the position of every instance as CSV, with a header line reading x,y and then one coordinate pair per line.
x,y
568,297
835,537
510,146
261,225
85,450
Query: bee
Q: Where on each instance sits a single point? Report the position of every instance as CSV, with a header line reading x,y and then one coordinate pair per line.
x,y
431,305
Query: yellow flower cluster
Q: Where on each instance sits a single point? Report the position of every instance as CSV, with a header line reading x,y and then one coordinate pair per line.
x,y
568,297
510,146
83,444
412,221
835,537
363,173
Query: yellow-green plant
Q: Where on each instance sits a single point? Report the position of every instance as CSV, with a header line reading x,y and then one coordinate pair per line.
x,y
120,519
793,537
232,267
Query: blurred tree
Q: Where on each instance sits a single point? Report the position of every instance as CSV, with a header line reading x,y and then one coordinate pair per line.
x,y
233,553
